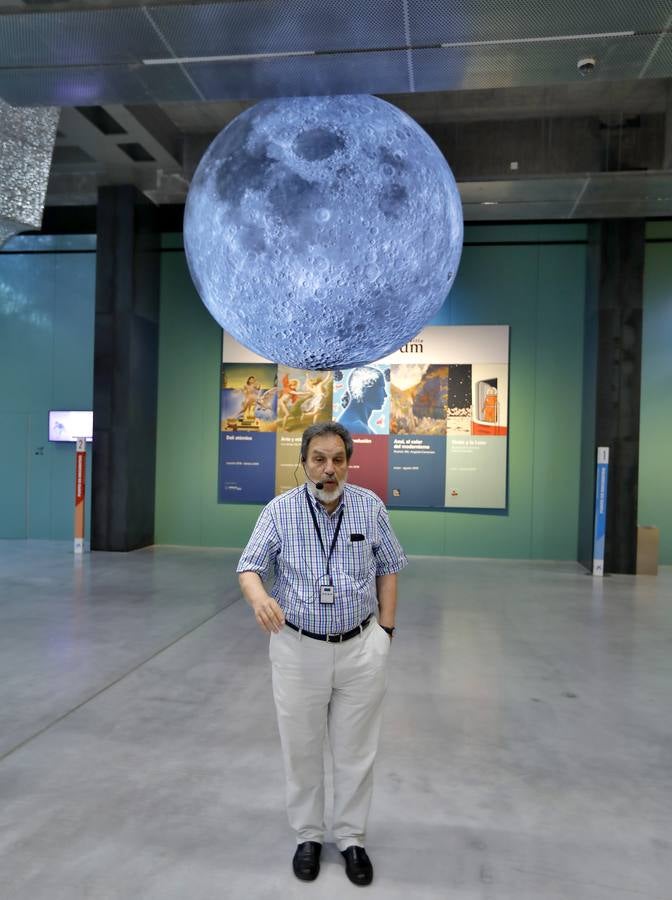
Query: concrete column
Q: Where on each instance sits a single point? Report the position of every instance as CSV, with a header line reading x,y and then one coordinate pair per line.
x,y
667,146
125,370
612,375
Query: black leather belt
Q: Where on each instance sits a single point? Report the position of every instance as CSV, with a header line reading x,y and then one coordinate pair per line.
x,y
332,638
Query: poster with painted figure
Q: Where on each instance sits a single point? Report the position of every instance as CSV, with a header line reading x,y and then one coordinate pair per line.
x,y
419,399
249,397
304,398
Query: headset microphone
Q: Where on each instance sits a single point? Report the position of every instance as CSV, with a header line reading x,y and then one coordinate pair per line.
x,y
318,484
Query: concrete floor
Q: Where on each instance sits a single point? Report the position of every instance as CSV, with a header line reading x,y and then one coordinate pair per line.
x,y
526,752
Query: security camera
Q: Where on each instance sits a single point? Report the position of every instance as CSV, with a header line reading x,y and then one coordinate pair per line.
x,y
586,66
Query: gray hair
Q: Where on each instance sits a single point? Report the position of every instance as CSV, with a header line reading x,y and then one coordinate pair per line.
x,y
321,428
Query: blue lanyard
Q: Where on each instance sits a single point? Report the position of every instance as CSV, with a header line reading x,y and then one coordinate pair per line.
x,y
319,534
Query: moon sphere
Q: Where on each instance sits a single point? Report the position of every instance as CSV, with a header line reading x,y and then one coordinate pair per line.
x,y
323,232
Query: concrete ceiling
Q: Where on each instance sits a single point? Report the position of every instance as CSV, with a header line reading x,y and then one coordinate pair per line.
x,y
144,88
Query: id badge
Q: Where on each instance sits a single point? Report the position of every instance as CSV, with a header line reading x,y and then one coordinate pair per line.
x,y
326,593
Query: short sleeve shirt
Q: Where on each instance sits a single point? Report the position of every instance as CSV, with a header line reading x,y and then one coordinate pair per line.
x,y
285,546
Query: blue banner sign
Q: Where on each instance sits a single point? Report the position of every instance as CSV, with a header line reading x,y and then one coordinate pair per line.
x,y
600,509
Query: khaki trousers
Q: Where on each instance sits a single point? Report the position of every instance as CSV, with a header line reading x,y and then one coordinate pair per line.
x,y
334,690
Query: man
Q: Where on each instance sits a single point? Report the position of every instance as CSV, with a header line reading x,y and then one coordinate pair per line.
x,y
330,615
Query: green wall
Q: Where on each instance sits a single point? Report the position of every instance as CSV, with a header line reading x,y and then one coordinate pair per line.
x,y
529,277
655,437
47,305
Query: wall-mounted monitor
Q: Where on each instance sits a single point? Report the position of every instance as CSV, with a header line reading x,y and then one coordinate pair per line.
x,y
70,424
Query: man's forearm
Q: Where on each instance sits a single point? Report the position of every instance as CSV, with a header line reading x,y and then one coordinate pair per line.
x,y
252,587
386,588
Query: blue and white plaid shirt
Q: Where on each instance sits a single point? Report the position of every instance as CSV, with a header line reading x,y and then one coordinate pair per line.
x,y
284,543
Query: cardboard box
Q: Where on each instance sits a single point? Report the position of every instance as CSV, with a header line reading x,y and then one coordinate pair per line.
x,y
648,543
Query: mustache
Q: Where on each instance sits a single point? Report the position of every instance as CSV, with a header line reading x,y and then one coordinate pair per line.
x,y
336,486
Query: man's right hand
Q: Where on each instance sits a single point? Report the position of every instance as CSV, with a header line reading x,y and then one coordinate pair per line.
x,y
268,614
267,611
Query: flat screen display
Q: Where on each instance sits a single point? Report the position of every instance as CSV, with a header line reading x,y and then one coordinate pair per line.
x,y
69,424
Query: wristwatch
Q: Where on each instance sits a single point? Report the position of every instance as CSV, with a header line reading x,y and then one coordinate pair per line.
x,y
390,631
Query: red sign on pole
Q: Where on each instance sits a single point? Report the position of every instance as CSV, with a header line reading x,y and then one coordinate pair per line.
x,y
80,491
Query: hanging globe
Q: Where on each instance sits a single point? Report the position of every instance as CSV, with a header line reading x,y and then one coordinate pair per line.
x,y
323,232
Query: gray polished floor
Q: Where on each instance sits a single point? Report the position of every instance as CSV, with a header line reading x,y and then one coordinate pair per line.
x,y
526,752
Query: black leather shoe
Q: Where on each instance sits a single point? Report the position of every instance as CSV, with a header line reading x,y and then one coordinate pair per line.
x,y
306,862
358,866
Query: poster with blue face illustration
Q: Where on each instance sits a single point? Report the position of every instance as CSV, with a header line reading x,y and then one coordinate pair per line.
x,y
362,399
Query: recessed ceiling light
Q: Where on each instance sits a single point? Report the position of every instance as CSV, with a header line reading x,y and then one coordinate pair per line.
x,y
240,57
540,40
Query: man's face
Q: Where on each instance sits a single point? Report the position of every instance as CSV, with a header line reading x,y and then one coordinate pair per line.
x,y
326,462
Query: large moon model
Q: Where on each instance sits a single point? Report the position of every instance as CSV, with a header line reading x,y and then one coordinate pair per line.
x,y
323,232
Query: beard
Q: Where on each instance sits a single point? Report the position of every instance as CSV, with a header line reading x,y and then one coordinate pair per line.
x,y
328,496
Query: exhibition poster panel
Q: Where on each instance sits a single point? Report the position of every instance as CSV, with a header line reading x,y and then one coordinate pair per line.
x,y
429,422
417,466
474,467
288,469
246,467
304,398
248,397
362,399
369,463
419,399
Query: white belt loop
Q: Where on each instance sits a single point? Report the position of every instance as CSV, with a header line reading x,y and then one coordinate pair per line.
x,y
300,633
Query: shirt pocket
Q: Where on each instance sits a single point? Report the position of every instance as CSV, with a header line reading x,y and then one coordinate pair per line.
x,y
358,560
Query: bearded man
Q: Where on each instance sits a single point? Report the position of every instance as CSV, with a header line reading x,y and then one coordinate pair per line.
x,y
333,559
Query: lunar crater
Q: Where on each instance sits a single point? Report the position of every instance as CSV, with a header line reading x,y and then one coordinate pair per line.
x,y
318,143
392,200
244,172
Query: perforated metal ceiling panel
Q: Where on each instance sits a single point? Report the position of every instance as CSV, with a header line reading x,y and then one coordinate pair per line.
x,y
488,66
271,27
364,46
660,64
332,74
481,49
443,21
97,37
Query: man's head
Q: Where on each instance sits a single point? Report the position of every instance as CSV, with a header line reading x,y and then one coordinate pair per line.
x,y
326,449
326,428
